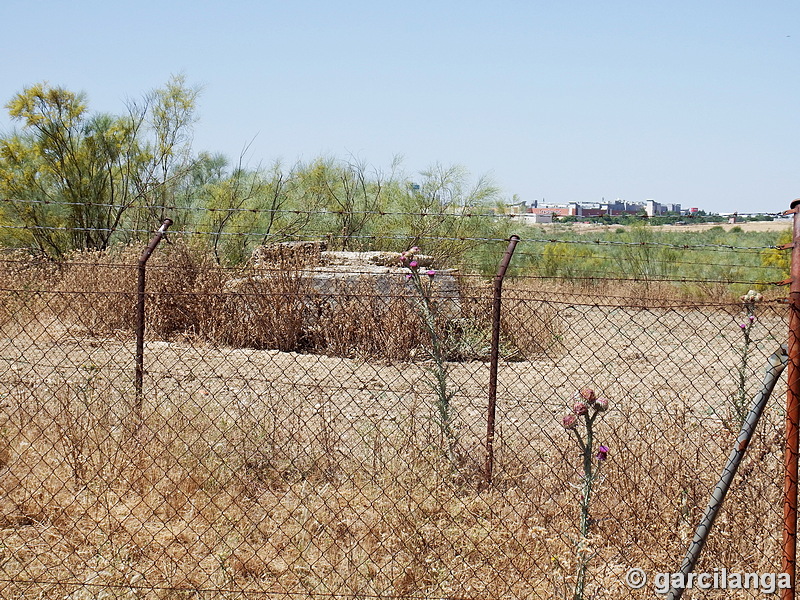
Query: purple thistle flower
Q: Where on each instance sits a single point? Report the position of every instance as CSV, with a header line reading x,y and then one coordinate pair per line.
x,y
430,273
743,326
408,276
601,404
570,421
602,453
413,264
588,395
580,408
751,318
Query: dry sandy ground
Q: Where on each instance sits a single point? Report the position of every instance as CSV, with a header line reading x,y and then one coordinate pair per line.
x,y
669,374
642,358
777,225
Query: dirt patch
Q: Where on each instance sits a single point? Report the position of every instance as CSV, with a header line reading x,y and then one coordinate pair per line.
x,y
286,473
776,225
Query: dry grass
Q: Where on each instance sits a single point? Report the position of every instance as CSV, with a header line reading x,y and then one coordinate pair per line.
x,y
21,276
96,291
647,294
271,496
262,471
264,306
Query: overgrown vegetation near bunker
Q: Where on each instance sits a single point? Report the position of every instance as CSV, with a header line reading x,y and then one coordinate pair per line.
x,y
287,298
73,180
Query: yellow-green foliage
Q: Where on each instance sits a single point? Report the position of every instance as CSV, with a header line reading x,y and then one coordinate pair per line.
x,y
570,261
777,258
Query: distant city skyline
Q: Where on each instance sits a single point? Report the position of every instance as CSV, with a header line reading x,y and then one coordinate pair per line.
x,y
595,209
619,206
684,102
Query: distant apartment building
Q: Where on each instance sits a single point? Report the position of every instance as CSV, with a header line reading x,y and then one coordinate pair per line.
x,y
654,209
556,210
532,218
594,209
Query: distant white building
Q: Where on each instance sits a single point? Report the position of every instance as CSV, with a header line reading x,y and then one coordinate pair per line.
x,y
590,209
533,218
653,208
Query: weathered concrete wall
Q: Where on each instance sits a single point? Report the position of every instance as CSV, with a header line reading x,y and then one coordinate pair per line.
x,y
324,277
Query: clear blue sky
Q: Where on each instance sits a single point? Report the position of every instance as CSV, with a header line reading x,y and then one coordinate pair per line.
x,y
692,102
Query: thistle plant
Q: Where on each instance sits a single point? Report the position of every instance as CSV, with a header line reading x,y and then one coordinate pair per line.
x,y
422,280
580,423
739,399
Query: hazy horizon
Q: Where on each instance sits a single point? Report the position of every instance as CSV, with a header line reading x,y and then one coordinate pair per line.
x,y
686,103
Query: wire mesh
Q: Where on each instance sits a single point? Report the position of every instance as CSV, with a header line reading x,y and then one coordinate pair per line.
x,y
291,443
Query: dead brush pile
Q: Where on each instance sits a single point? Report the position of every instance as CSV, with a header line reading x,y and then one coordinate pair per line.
x,y
269,305
97,291
21,277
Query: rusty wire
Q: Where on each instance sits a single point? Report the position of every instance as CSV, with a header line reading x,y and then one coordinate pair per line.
x,y
465,213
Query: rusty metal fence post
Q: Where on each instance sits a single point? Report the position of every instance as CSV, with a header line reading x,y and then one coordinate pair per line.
x,y
789,559
140,303
495,355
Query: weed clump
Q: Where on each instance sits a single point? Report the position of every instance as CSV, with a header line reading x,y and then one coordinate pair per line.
x,y
278,302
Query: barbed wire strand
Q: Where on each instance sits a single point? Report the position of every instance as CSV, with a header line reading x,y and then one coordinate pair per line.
x,y
271,211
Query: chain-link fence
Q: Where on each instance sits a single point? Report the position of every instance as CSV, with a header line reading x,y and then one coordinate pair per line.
x,y
312,428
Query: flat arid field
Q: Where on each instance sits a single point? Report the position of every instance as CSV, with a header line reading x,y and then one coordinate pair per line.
x,y
297,474
776,225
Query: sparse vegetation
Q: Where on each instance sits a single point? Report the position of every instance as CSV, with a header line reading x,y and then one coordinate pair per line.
x,y
265,306
260,468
